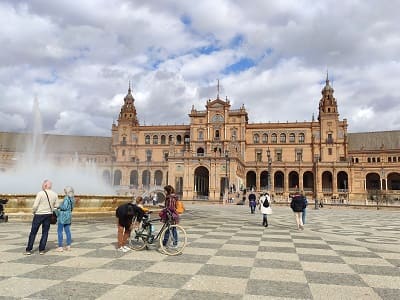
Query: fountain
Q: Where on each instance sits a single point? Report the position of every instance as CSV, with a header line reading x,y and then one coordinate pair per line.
x,y
21,183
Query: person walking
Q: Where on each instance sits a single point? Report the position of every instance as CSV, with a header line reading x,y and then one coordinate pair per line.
x,y
64,217
265,207
170,207
297,205
125,214
42,209
252,202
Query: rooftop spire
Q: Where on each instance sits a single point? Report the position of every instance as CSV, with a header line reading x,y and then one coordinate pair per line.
x,y
129,89
218,89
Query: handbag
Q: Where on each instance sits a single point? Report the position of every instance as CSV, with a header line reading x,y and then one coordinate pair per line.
x,y
53,217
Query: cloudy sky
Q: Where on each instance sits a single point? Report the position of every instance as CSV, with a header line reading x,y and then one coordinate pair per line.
x,y
77,58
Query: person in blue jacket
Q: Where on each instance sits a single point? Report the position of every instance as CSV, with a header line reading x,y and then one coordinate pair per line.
x,y
64,217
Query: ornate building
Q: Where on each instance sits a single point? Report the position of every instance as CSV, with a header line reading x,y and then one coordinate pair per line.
x,y
220,152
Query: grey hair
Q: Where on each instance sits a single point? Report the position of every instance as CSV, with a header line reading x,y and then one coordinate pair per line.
x,y
69,191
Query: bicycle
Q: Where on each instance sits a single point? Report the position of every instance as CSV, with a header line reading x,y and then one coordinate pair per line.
x,y
173,234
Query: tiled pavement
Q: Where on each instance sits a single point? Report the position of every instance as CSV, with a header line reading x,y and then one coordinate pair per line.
x,y
341,254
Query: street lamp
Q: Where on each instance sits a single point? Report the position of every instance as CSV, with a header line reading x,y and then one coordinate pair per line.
x,y
269,168
137,173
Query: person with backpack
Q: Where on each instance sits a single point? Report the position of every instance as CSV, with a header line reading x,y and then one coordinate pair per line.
x,y
297,205
265,207
252,202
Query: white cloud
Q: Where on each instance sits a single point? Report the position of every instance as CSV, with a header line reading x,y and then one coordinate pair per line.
x,y
78,57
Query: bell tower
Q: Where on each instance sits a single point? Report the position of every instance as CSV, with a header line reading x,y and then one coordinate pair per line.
x,y
128,115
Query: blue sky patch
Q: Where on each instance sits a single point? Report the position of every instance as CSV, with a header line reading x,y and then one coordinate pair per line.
x,y
239,66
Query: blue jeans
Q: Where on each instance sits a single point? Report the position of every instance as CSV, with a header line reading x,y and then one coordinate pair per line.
x,y
39,220
67,228
303,216
174,235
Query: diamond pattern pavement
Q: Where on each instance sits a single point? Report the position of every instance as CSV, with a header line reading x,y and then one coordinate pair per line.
x,y
341,254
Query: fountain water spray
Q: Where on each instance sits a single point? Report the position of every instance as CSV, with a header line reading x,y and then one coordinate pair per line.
x,y
35,165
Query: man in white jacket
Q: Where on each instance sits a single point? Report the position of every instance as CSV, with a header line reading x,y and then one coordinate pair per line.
x,y
42,209
265,208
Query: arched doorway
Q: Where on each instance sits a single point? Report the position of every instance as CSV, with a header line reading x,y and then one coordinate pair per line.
x,y
251,180
264,180
372,181
327,185
133,181
146,179
201,182
106,177
342,182
117,177
294,181
279,181
308,181
158,176
393,181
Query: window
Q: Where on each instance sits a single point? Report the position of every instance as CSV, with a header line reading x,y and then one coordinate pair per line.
x,y
299,155
373,159
378,159
274,138
329,139
265,138
147,140
301,138
330,151
256,138
258,156
217,134
163,139
148,155
278,156
292,138
389,159
178,139
234,134
282,138
369,159
200,135
200,152
165,154
123,140
155,139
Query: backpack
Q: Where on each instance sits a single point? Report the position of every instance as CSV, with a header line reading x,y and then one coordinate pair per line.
x,y
266,203
180,208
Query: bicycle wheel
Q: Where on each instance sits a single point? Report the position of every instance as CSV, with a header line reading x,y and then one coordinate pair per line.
x,y
173,240
138,242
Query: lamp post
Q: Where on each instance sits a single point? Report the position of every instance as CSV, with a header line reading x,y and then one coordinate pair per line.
x,y
315,181
269,168
137,173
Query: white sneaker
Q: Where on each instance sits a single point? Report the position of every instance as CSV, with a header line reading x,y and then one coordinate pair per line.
x,y
122,249
126,248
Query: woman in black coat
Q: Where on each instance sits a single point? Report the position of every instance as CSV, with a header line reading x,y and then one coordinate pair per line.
x,y
298,204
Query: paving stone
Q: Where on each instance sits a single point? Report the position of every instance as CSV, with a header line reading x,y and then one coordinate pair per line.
x,y
341,254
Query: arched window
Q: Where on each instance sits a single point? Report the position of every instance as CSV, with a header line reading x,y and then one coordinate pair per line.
x,y
178,139
274,138
147,139
265,138
163,140
301,138
292,138
200,134
282,138
155,139
256,138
